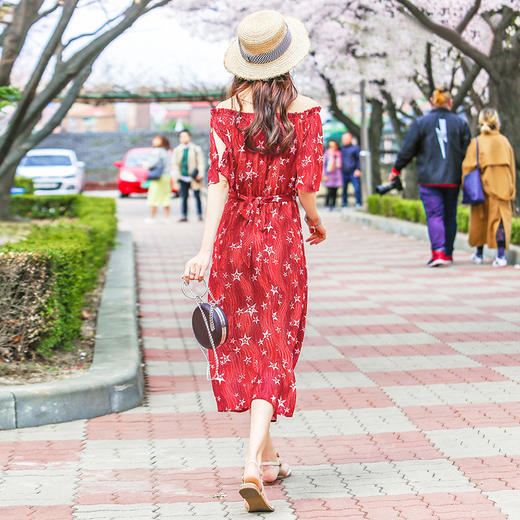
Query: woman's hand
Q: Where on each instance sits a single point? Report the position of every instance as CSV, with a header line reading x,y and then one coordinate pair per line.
x,y
317,230
196,267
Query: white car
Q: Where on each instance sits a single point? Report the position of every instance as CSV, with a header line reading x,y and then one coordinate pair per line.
x,y
54,171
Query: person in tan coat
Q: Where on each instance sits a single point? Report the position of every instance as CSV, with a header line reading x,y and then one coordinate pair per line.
x,y
490,222
188,169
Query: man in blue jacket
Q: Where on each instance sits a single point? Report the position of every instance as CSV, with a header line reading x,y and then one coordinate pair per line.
x,y
438,141
351,168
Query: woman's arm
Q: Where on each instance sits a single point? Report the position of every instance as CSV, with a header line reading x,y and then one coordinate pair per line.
x,y
317,229
216,200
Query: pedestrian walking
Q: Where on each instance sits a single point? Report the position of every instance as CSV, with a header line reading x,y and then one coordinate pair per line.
x,y
351,169
188,167
332,176
160,191
266,149
490,222
439,141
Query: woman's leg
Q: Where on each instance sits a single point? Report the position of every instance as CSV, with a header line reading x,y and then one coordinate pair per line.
x,y
196,193
167,211
501,240
334,192
261,414
153,211
270,473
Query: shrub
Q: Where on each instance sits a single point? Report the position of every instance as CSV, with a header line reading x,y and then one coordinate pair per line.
x,y
413,210
67,257
26,184
49,206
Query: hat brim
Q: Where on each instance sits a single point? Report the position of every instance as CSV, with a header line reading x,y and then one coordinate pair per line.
x,y
296,52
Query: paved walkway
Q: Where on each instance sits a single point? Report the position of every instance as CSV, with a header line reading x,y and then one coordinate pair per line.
x,y
408,400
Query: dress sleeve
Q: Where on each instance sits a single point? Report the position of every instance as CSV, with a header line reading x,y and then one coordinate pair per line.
x,y
219,150
309,161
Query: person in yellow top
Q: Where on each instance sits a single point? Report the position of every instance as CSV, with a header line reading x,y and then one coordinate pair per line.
x,y
159,191
490,222
188,169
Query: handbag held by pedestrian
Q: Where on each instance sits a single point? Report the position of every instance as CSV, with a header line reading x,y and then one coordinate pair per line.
x,y
209,322
155,173
472,192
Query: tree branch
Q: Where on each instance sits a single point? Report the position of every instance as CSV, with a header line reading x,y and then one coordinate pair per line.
x,y
14,35
468,16
469,78
453,37
93,33
429,68
28,95
49,11
65,106
25,141
394,118
336,111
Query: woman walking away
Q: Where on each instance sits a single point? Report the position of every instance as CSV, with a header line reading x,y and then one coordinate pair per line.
x,y
490,222
266,150
160,191
332,175
439,140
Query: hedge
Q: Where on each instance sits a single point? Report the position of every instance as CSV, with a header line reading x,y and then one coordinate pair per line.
x,y
26,184
413,210
62,260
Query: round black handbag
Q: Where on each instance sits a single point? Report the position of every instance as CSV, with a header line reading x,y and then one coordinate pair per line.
x,y
210,325
209,322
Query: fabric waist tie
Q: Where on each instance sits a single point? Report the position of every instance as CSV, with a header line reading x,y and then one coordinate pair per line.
x,y
251,208
258,211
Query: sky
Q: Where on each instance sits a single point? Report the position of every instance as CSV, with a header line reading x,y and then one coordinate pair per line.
x,y
158,51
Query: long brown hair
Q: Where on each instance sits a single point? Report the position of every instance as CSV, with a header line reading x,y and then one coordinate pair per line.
x,y
270,97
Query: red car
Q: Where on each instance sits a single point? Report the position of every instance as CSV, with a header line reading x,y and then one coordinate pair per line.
x,y
132,173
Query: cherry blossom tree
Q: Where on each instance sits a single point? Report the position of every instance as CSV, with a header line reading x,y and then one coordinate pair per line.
x,y
486,33
61,65
350,41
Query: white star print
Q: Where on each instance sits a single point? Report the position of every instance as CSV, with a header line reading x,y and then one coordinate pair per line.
x,y
236,275
244,340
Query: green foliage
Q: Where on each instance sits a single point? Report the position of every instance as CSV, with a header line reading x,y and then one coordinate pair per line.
x,y
413,210
26,184
71,252
49,206
463,219
8,95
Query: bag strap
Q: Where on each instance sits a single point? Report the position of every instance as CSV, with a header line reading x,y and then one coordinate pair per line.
x,y
209,326
478,166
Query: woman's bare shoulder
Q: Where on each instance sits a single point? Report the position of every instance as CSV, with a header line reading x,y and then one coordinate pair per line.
x,y
227,103
303,103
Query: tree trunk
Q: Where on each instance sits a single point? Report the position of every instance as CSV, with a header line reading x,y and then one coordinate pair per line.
x,y
411,188
508,105
375,131
6,181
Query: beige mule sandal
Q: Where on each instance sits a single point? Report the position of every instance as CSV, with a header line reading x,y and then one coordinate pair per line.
x,y
252,492
284,470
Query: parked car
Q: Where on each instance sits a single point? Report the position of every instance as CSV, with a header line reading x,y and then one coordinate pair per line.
x,y
133,171
54,171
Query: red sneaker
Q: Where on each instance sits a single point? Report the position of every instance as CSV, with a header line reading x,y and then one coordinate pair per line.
x,y
438,258
449,259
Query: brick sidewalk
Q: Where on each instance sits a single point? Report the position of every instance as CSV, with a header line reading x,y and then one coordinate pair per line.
x,y
408,400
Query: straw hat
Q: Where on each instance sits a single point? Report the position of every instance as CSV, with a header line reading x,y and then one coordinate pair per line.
x,y
268,45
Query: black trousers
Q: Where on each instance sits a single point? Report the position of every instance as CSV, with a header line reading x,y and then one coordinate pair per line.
x,y
330,201
185,193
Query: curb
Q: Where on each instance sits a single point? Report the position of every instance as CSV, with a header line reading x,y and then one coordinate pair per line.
x,y
420,231
113,383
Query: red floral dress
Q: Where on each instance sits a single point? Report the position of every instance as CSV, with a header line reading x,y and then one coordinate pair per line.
x,y
258,271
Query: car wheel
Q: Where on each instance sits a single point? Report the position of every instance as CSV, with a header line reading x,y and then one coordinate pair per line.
x,y
124,195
